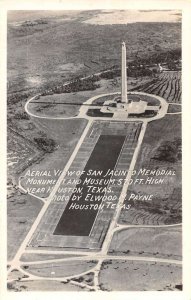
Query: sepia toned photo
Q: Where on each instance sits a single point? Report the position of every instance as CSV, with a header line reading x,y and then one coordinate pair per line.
x,y
94,150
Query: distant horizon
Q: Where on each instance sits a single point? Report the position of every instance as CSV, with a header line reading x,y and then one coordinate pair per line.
x,y
99,17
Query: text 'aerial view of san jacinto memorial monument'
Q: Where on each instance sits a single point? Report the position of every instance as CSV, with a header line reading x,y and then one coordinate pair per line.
x,y
94,151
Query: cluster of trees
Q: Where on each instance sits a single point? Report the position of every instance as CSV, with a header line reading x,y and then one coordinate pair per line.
x,y
45,144
139,71
98,113
35,22
169,151
27,28
22,116
110,74
132,71
75,86
147,113
17,97
158,57
174,218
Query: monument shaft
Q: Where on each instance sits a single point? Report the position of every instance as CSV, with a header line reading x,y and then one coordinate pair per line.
x,y
123,74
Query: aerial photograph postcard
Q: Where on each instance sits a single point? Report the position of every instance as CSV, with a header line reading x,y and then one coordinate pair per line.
x,y
94,155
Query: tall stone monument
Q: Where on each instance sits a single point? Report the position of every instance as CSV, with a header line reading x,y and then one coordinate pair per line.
x,y
123,74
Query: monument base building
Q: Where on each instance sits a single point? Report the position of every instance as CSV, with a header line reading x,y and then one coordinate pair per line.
x,y
122,106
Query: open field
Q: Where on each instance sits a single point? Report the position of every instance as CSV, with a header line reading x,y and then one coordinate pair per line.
x,y
159,242
167,128
43,285
54,110
174,108
22,210
162,136
39,256
138,276
60,269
